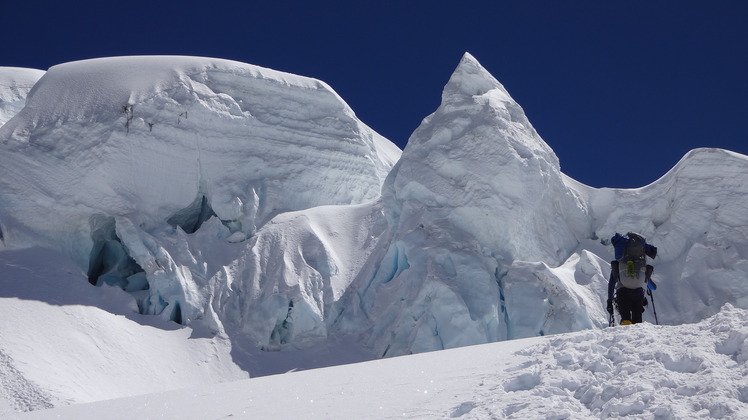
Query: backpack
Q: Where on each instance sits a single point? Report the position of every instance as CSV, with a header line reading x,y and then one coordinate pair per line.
x,y
632,252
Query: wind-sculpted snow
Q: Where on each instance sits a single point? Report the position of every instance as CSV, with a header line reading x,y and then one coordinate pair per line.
x,y
254,205
126,149
143,137
15,84
491,241
475,190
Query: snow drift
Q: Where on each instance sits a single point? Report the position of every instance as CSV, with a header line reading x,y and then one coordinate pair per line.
x,y
253,205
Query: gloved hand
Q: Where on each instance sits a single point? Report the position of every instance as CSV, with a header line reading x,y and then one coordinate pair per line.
x,y
610,306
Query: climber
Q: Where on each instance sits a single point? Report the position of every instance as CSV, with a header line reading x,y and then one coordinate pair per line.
x,y
629,274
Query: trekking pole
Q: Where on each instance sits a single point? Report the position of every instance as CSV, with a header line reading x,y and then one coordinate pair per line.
x,y
654,310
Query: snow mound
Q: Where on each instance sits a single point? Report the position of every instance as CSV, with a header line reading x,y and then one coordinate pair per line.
x,y
695,370
15,84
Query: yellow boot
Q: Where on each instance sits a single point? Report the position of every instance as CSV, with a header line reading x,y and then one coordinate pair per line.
x,y
626,322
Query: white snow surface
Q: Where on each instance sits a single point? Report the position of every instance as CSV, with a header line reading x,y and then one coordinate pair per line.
x,y
15,84
253,208
63,341
638,372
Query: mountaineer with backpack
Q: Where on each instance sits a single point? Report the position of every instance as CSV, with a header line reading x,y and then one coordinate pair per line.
x,y
629,274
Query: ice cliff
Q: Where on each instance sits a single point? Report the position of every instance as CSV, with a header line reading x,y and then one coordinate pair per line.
x,y
255,203
116,161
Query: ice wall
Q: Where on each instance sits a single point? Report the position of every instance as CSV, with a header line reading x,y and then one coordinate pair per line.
x,y
695,215
144,137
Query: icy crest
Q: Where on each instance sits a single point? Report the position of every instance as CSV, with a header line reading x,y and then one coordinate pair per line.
x,y
478,163
476,189
15,84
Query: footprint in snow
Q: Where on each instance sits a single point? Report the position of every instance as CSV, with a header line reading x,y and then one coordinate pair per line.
x,y
463,409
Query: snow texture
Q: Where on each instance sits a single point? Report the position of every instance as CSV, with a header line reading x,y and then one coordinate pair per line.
x,y
15,84
255,210
63,341
636,372
136,153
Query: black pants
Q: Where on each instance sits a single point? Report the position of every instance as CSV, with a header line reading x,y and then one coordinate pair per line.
x,y
630,304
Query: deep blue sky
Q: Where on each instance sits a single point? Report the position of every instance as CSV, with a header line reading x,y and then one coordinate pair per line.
x,y
605,83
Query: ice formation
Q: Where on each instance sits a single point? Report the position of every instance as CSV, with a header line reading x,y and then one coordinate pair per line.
x,y
254,203
133,154
15,84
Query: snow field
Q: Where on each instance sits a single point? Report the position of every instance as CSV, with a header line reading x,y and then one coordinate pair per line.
x,y
63,341
638,372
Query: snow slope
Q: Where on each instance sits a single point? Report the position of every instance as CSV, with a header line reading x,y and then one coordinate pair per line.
x,y
63,341
254,209
639,372
15,84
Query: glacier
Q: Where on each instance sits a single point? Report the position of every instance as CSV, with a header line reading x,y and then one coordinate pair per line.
x,y
254,206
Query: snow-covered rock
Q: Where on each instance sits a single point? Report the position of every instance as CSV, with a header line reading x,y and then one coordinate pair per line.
x,y
15,84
